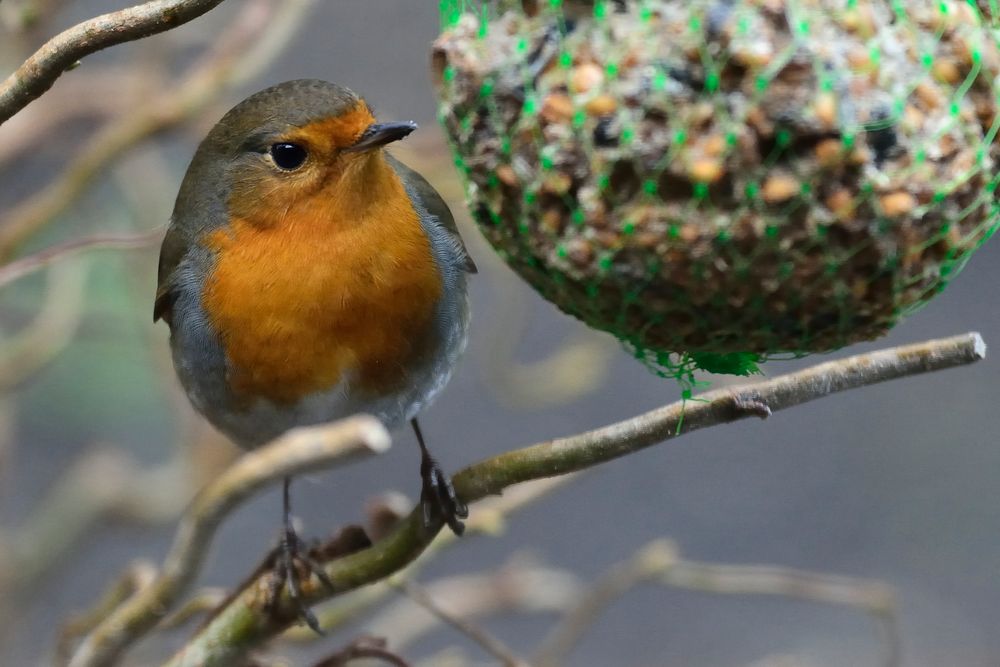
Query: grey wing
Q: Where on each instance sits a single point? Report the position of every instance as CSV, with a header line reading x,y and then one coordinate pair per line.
x,y
436,206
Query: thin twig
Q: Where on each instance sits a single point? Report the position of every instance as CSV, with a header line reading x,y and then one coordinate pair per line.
x,y
295,452
659,562
60,53
28,265
202,602
374,648
50,331
258,34
517,587
872,597
102,482
94,94
136,577
97,482
251,619
652,560
486,641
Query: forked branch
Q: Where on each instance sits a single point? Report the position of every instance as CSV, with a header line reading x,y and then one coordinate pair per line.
x,y
251,617
295,452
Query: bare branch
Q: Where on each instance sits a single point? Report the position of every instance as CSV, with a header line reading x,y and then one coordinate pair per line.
x,y
94,94
51,330
94,484
374,648
251,618
102,482
27,265
712,408
516,587
659,562
872,597
204,601
297,451
137,576
256,36
486,641
63,51
652,560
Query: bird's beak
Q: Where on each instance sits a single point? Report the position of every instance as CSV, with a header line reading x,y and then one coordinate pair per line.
x,y
380,134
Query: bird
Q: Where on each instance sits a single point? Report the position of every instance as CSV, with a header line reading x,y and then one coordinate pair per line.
x,y
307,275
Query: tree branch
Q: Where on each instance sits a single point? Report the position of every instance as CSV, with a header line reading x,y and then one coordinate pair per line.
x,y
251,618
50,331
26,265
258,33
460,622
660,562
364,648
295,452
40,71
93,95
518,586
873,597
489,519
136,577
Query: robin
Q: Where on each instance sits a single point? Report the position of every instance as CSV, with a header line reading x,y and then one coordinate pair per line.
x,y
308,275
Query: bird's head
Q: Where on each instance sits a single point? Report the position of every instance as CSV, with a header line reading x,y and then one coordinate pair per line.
x,y
285,144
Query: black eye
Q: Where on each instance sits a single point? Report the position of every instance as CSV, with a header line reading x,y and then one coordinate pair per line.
x,y
288,156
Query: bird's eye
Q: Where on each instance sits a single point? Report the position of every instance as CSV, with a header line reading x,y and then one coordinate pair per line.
x,y
288,156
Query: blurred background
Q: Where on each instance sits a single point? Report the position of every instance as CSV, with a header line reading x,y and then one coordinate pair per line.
x,y
99,452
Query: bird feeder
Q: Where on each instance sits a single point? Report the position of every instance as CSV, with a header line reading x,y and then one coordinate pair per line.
x,y
726,180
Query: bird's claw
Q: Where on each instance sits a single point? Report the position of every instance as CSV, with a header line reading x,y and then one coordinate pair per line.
x,y
293,558
438,498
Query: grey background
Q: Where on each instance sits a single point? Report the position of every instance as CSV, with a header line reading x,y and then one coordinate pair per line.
x,y
899,482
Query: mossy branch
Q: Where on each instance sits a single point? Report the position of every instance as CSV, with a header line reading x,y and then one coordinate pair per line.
x,y
248,620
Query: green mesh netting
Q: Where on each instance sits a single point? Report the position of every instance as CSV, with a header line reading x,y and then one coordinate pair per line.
x,y
719,181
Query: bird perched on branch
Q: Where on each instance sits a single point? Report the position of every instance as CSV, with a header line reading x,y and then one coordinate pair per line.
x,y
308,275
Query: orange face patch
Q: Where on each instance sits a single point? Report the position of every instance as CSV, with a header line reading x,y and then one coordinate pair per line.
x,y
341,284
265,197
338,131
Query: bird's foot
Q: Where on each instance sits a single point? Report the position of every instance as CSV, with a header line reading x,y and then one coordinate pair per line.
x,y
292,566
438,498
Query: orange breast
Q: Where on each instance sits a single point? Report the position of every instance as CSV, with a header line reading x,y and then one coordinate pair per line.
x,y
334,289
